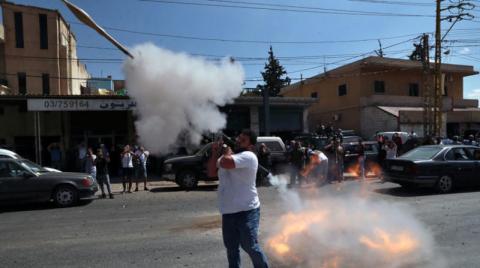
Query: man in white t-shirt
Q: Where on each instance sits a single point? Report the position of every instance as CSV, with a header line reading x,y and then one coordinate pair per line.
x,y
238,201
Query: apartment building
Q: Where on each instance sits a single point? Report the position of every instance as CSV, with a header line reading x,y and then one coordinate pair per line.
x,y
38,54
377,93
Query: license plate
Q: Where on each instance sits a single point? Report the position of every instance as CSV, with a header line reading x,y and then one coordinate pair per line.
x,y
396,168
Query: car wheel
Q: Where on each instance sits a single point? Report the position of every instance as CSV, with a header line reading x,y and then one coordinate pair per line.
x,y
187,179
65,196
445,184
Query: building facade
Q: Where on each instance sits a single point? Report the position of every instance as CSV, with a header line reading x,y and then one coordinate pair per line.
x,y
38,54
34,122
385,94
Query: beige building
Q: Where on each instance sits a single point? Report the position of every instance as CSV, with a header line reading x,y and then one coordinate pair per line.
x,y
384,94
38,54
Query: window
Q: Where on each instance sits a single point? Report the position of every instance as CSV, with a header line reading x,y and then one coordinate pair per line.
x,y
46,84
473,153
22,83
379,86
42,18
421,153
9,169
342,90
314,95
4,170
413,90
456,154
274,146
18,29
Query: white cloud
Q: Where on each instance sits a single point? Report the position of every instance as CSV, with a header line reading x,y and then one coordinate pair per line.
x,y
465,51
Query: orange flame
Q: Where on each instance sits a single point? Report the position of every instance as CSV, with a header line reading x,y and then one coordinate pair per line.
x,y
391,244
295,224
353,170
314,162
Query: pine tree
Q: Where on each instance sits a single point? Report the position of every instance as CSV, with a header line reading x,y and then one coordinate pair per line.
x,y
272,76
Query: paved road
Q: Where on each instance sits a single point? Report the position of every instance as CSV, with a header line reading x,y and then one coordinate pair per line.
x,y
168,227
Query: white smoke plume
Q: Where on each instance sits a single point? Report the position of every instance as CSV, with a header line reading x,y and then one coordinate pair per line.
x,y
177,93
331,228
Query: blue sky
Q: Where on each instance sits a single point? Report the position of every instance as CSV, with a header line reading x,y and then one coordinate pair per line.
x,y
267,26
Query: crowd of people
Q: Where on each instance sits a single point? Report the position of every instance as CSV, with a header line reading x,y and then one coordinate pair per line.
x,y
132,160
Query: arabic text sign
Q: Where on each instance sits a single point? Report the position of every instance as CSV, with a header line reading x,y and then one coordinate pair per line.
x,y
80,105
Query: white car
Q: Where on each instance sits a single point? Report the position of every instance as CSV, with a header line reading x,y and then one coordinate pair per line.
x,y
4,153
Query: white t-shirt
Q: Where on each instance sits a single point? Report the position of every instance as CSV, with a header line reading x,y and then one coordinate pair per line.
x,y
237,191
391,152
322,157
127,161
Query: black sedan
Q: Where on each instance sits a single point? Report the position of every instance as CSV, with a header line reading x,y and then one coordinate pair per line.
x,y
22,180
442,167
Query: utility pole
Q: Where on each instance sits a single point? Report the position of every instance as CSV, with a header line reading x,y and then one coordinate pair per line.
x,y
427,94
437,120
456,14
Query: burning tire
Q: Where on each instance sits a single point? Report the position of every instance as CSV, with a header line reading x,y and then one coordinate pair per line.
x,y
187,179
444,184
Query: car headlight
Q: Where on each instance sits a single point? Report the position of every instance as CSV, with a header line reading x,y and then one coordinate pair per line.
x,y
167,167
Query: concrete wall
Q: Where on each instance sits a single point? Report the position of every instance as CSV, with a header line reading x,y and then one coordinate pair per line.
x,y
374,119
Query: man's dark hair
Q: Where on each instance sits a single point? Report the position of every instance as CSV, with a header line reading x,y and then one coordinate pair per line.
x,y
251,134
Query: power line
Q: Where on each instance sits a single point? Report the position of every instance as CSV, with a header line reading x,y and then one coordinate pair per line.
x,y
247,41
283,8
402,3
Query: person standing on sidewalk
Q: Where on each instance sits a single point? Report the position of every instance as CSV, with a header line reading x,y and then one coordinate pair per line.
x,y
127,168
140,167
90,167
238,201
103,179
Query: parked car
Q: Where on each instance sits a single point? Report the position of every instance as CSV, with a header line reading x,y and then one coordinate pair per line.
x,y
351,139
371,156
4,153
442,167
187,171
22,180
348,133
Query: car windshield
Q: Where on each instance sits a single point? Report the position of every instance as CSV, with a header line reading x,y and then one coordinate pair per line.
x,y
32,166
421,153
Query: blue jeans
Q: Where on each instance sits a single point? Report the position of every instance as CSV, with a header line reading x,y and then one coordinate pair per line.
x,y
241,229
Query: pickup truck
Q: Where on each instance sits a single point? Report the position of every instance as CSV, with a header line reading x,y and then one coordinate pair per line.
x,y
187,171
